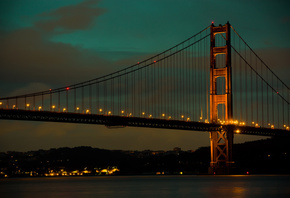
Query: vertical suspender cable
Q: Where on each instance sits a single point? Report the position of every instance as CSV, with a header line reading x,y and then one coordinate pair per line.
x,y
83,104
75,108
262,96
58,101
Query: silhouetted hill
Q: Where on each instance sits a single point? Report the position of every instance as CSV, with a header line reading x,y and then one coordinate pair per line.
x,y
270,156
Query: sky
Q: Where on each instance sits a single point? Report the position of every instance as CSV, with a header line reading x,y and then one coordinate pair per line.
x,y
52,43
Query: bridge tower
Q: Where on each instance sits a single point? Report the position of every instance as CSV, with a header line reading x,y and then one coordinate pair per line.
x,y
221,141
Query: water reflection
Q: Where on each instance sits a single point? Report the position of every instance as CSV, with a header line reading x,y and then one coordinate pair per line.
x,y
147,186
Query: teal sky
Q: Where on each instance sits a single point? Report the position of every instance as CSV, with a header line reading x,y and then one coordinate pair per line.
x,y
51,43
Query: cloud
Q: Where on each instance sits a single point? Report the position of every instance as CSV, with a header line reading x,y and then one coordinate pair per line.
x,y
69,18
26,57
277,60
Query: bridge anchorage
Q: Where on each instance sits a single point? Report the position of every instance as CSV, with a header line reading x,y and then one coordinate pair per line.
x,y
191,86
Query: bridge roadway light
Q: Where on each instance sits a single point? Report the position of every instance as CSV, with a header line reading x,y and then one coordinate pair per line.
x,y
14,106
87,111
28,105
77,108
187,119
163,115
53,107
122,112
100,110
272,126
150,116
182,117
64,109
39,108
109,112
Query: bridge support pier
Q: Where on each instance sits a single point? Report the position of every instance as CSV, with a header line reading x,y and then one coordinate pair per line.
x,y
221,152
221,141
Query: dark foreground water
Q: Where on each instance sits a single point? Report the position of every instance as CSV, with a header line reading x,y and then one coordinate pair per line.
x,y
147,186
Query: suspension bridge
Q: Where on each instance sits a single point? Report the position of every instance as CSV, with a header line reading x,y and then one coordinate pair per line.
x,y
212,82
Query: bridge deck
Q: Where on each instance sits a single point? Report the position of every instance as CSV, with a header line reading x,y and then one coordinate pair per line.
x,y
123,121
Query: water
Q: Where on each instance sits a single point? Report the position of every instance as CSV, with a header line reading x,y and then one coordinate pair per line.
x,y
146,186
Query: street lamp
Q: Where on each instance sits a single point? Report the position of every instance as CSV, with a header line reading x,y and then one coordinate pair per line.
x,y
39,108
53,107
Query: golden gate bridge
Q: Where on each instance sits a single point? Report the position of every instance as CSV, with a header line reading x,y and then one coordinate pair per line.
x,y
212,82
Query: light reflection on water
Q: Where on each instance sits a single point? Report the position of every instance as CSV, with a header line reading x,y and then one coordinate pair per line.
x,y
147,186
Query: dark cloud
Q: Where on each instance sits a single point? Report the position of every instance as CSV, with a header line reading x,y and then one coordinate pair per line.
x,y
70,18
26,56
277,60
